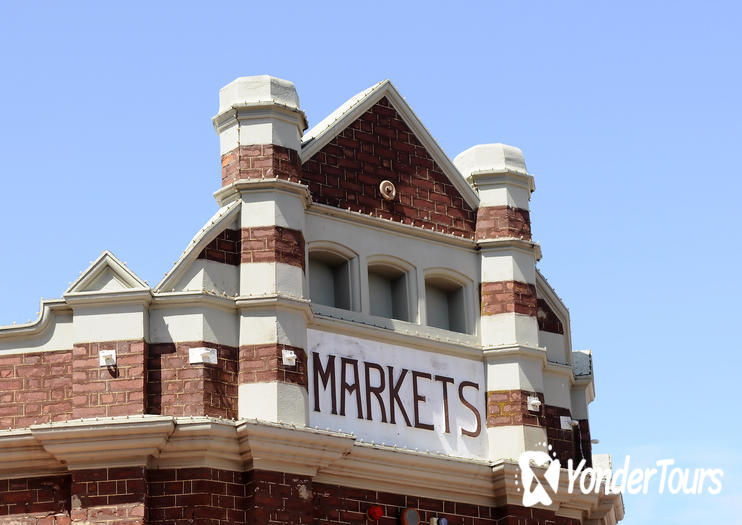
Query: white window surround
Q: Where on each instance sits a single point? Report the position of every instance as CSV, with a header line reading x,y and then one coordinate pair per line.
x,y
456,294
392,288
338,286
414,284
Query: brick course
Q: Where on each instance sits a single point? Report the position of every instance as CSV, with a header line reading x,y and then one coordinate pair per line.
x,y
273,244
225,248
510,407
35,388
109,495
108,391
346,173
36,498
494,222
336,505
265,161
264,362
196,495
177,388
508,296
208,496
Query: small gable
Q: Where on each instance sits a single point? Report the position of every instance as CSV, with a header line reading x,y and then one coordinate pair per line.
x,y
106,274
379,145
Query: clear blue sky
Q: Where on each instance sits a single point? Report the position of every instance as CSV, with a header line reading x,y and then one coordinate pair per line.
x,y
628,113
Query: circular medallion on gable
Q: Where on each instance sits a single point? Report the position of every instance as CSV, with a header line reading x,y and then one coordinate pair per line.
x,y
387,189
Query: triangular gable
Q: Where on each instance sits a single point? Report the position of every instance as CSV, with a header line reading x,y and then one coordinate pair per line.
x,y
221,219
106,275
390,143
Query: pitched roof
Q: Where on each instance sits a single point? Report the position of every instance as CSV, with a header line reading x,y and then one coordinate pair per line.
x,y
327,129
106,274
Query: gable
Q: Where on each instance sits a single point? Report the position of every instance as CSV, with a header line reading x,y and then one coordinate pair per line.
x,y
106,274
379,145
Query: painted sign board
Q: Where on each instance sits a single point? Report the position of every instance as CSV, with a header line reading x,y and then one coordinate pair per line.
x,y
397,395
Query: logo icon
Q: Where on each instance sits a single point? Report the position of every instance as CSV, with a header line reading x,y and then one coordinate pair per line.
x,y
533,491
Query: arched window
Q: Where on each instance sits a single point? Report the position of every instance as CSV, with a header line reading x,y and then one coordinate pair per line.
x,y
446,301
332,276
389,288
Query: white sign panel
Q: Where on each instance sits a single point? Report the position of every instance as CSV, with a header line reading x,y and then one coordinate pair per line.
x,y
397,395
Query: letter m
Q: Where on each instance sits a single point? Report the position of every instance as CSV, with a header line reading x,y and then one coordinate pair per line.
x,y
327,376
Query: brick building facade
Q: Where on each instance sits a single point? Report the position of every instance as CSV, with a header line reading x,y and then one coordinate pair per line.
x,y
361,324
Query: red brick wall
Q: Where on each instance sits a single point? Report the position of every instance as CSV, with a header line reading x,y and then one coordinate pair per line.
x,y
264,362
343,505
503,221
116,494
35,500
206,496
225,248
114,391
379,146
277,498
260,162
510,407
508,296
35,388
273,244
177,388
197,495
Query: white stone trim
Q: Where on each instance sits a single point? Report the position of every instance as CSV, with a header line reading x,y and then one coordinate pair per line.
x,y
274,401
399,333
329,457
508,329
105,442
22,454
391,227
106,260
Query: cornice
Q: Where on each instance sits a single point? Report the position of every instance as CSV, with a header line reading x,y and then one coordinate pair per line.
x,y
105,442
193,298
279,301
284,448
414,337
139,296
232,191
481,178
407,472
259,110
511,243
201,442
21,453
387,225
328,457
48,309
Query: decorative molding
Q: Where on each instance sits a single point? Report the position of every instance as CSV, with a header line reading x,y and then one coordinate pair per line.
x,y
22,455
338,458
105,442
202,442
387,469
285,448
387,226
49,308
232,191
